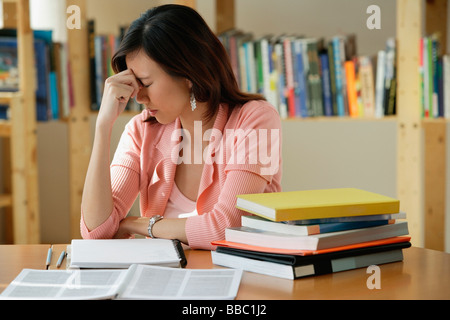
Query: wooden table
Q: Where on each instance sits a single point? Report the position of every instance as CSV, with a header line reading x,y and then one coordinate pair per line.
x,y
424,274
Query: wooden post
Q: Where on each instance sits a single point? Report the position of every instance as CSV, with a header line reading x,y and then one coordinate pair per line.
x,y
436,21
225,15
79,119
189,3
24,169
435,184
409,139
9,15
435,131
6,202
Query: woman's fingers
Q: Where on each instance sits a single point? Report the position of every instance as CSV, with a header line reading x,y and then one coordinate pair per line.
x,y
118,90
127,84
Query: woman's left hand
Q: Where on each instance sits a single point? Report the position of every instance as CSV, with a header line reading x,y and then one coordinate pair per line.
x,y
130,226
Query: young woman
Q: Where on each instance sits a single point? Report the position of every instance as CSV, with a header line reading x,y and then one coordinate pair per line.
x,y
199,142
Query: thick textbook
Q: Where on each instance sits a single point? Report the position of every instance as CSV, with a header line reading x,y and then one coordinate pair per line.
x,y
313,242
243,246
294,266
122,253
316,204
304,230
136,282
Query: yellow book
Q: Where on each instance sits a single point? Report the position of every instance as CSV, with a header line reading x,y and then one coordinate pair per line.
x,y
317,204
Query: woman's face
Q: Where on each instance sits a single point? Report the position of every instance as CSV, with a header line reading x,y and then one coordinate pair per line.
x,y
165,96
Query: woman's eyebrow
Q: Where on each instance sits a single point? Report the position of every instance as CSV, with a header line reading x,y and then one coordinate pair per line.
x,y
140,78
143,78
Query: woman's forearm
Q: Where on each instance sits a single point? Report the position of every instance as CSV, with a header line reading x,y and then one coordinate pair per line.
x,y
165,228
97,202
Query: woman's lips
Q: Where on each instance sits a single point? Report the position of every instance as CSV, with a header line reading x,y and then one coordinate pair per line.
x,y
153,112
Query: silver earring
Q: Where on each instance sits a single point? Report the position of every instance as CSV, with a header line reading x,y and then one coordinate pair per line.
x,y
193,102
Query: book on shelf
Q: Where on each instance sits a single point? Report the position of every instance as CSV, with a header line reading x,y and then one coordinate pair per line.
x,y
121,253
101,50
136,282
280,240
314,204
257,222
367,85
291,266
390,78
9,71
434,72
53,86
4,112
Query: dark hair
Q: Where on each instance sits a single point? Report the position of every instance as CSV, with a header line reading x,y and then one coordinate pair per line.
x,y
180,41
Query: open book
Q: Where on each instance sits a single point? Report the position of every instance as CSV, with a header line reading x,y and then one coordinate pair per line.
x,y
136,282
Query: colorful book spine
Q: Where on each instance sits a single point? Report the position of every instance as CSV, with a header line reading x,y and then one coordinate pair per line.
x,y
379,95
302,106
351,88
338,77
326,85
289,77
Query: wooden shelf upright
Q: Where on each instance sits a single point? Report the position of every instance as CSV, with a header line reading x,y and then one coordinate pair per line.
x,y
435,133
421,161
21,203
79,119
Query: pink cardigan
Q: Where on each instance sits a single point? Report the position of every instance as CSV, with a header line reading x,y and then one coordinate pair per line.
x,y
248,162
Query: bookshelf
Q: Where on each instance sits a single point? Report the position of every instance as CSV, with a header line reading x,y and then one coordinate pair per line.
x,y
21,200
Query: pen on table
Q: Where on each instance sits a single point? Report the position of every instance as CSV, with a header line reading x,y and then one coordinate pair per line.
x,y
61,258
49,257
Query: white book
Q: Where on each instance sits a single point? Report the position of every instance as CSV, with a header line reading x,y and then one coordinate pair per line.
x,y
122,253
446,68
379,85
278,240
137,282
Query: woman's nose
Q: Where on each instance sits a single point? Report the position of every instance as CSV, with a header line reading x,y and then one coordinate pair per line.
x,y
142,96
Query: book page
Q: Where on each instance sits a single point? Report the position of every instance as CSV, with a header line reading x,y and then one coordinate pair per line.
x,y
151,282
65,284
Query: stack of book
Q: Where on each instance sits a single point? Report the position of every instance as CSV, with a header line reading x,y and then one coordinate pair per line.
x,y
312,232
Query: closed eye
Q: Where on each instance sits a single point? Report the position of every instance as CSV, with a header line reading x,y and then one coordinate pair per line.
x,y
144,85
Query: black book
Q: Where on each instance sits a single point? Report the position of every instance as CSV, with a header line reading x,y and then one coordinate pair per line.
x,y
294,266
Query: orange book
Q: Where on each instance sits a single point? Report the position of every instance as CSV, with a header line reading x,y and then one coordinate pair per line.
x,y
242,246
351,89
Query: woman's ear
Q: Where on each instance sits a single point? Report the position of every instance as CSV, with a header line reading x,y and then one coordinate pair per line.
x,y
189,84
